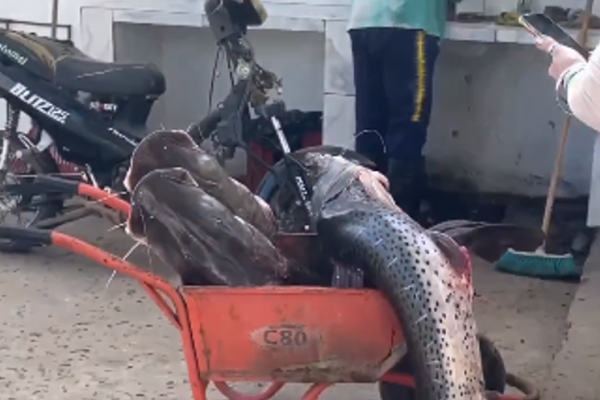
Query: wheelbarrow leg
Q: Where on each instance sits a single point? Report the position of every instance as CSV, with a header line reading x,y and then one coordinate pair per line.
x,y
199,391
315,391
231,394
197,384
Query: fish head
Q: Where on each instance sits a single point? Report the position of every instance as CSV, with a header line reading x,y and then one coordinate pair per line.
x,y
335,174
174,149
151,194
157,150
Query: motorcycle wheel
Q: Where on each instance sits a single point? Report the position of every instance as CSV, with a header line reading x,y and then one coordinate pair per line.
x,y
41,207
281,198
494,373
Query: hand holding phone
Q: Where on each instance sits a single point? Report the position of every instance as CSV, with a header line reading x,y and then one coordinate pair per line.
x,y
546,44
540,25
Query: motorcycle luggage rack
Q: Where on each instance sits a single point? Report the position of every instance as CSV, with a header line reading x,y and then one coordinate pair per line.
x,y
64,31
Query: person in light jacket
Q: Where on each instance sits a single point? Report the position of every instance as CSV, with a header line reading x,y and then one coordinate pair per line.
x,y
577,80
395,45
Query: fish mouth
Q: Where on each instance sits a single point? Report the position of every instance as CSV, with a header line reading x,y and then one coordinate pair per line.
x,y
134,226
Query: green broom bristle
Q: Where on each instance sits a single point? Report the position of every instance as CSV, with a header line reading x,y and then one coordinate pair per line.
x,y
539,265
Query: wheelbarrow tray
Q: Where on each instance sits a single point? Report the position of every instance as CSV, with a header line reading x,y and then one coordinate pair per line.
x,y
293,334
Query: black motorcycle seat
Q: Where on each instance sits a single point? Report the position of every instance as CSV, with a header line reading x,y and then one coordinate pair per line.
x,y
68,67
99,77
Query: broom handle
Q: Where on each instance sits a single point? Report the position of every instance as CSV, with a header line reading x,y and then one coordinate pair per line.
x,y
558,163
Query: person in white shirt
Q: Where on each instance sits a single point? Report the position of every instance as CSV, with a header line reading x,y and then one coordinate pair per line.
x,y
577,80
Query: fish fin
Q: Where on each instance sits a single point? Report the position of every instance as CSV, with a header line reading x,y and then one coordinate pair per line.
x,y
454,224
457,256
490,241
459,230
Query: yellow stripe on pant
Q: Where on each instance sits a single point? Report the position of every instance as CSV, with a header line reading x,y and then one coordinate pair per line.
x,y
421,77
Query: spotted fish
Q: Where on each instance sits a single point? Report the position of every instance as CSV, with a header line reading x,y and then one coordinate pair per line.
x,y
425,275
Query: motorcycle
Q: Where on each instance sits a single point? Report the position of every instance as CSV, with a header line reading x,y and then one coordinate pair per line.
x,y
87,116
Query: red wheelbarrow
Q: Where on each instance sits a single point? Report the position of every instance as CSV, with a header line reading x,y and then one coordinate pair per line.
x,y
311,335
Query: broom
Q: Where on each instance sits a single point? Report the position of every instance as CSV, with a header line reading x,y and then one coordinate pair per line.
x,y
540,264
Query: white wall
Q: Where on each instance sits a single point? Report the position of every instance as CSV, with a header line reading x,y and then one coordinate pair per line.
x,y
496,123
498,131
40,10
132,46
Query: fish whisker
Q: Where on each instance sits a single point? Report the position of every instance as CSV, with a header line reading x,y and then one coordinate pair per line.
x,y
118,226
362,230
376,132
392,262
131,250
110,279
420,319
108,196
125,257
411,286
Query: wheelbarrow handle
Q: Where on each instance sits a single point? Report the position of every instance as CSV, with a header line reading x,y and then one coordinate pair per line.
x,y
55,184
30,235
43,184
77,188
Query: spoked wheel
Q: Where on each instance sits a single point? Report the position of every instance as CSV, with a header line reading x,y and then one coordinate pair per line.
x,y
25,211
494,373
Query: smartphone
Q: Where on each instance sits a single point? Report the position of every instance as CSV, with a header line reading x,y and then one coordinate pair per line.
x,y
540,24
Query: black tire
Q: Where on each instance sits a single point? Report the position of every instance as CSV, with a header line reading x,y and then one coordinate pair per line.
x,y
47,209
282,202
494,373
494,370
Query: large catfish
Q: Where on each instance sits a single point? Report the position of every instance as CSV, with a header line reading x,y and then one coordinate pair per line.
x,y
425,275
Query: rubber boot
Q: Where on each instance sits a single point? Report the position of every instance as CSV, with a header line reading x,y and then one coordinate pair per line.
x,y
407,183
